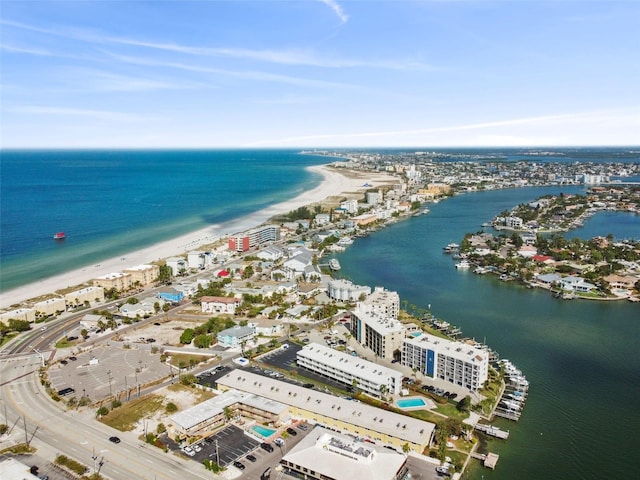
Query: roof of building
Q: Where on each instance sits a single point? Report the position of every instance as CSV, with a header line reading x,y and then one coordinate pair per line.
x,y
355,366
341,457
382,324
237,331
215,406
454,349
140,268
226,300
374,419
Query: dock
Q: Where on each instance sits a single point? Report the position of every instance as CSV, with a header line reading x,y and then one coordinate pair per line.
x,y
491,460
492,431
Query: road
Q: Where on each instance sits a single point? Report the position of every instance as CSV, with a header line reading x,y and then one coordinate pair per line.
x,y
52,430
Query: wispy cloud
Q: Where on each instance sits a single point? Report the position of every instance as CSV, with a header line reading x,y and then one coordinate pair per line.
x,y
242,74
573,118
79,112
337,9
25,50
285,56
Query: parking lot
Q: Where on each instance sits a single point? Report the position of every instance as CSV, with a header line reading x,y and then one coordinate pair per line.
x,y
232,446
107,370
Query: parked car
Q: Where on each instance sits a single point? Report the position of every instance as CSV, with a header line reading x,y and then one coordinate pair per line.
x,y
291,431
114,439
267,447
197,447
279,442
251,458
238,465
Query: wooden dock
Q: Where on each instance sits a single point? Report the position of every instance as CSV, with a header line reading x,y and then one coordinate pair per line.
x,y
492,431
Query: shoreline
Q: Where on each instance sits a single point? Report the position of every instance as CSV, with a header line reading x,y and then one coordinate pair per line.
x,y
334,183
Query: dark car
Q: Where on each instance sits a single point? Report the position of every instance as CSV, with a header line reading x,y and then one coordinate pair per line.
x,y
251,458
291,431
73,359
114,439
65,391
238,465
266,447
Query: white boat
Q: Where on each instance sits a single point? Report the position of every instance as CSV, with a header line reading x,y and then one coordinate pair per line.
x,y
345,241
463,264
334,264
452,247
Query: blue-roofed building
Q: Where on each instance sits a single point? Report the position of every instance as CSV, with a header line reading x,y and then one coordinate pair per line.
x,y
171,295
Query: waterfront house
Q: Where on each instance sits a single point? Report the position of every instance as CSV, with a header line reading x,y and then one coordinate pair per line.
x,y
573,283
178,265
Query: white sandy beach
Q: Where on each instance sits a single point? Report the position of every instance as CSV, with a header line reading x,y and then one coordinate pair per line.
x,y
334,183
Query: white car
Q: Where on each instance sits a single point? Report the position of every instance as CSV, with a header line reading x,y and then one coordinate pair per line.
x,y
189,451
197,447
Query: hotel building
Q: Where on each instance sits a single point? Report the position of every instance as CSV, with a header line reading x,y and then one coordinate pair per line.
x,y
336,413
383,302
118,281
455,362
346,291
245,241
380,333
367,376
89,294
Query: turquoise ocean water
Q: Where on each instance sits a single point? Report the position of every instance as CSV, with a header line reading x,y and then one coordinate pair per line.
x,y
581,418
112,202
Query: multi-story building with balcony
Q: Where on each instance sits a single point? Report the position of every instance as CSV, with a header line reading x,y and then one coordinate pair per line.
x,y
456,362
369,377
143,274
380,333
119,281
245,241
383,302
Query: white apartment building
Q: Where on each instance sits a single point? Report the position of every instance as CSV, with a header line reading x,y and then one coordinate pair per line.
x,y
369,377
254,237
117,280
383,302
381,334
513,222
89,294
177,265
25,314
51,306
350,206
455,362
346,291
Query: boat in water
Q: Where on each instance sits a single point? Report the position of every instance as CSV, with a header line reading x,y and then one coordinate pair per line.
x,y
450,248
463,264
334,264
60,236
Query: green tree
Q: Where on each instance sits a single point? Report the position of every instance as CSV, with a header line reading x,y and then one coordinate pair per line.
x,y
187,336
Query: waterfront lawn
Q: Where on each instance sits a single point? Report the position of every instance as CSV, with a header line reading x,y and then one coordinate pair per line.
x,y
125,417
451,410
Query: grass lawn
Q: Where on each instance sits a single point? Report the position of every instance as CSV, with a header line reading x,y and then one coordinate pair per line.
x,y
182,360
125,417
450,410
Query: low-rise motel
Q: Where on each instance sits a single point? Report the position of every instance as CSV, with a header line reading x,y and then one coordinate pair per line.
x,y
336,413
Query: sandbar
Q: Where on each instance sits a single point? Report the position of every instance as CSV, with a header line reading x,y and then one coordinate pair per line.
x,y
335,182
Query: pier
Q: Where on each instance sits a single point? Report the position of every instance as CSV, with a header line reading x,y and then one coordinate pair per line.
x,y
492,431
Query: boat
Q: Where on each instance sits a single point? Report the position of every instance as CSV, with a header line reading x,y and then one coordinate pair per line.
x,y
334,264
463,264
60,236
452,247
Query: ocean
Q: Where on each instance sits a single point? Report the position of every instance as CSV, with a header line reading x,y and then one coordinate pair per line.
x,y
581,357
113,202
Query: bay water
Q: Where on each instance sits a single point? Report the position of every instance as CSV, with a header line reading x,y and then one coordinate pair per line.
x,y
581,357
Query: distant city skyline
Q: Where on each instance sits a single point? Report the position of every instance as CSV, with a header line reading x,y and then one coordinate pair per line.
x,y
319,74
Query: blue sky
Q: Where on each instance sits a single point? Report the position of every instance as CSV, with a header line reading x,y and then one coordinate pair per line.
x,y
319,73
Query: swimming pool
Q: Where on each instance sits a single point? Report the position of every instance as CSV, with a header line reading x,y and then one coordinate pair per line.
x,y
264,432
411,402
416,334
